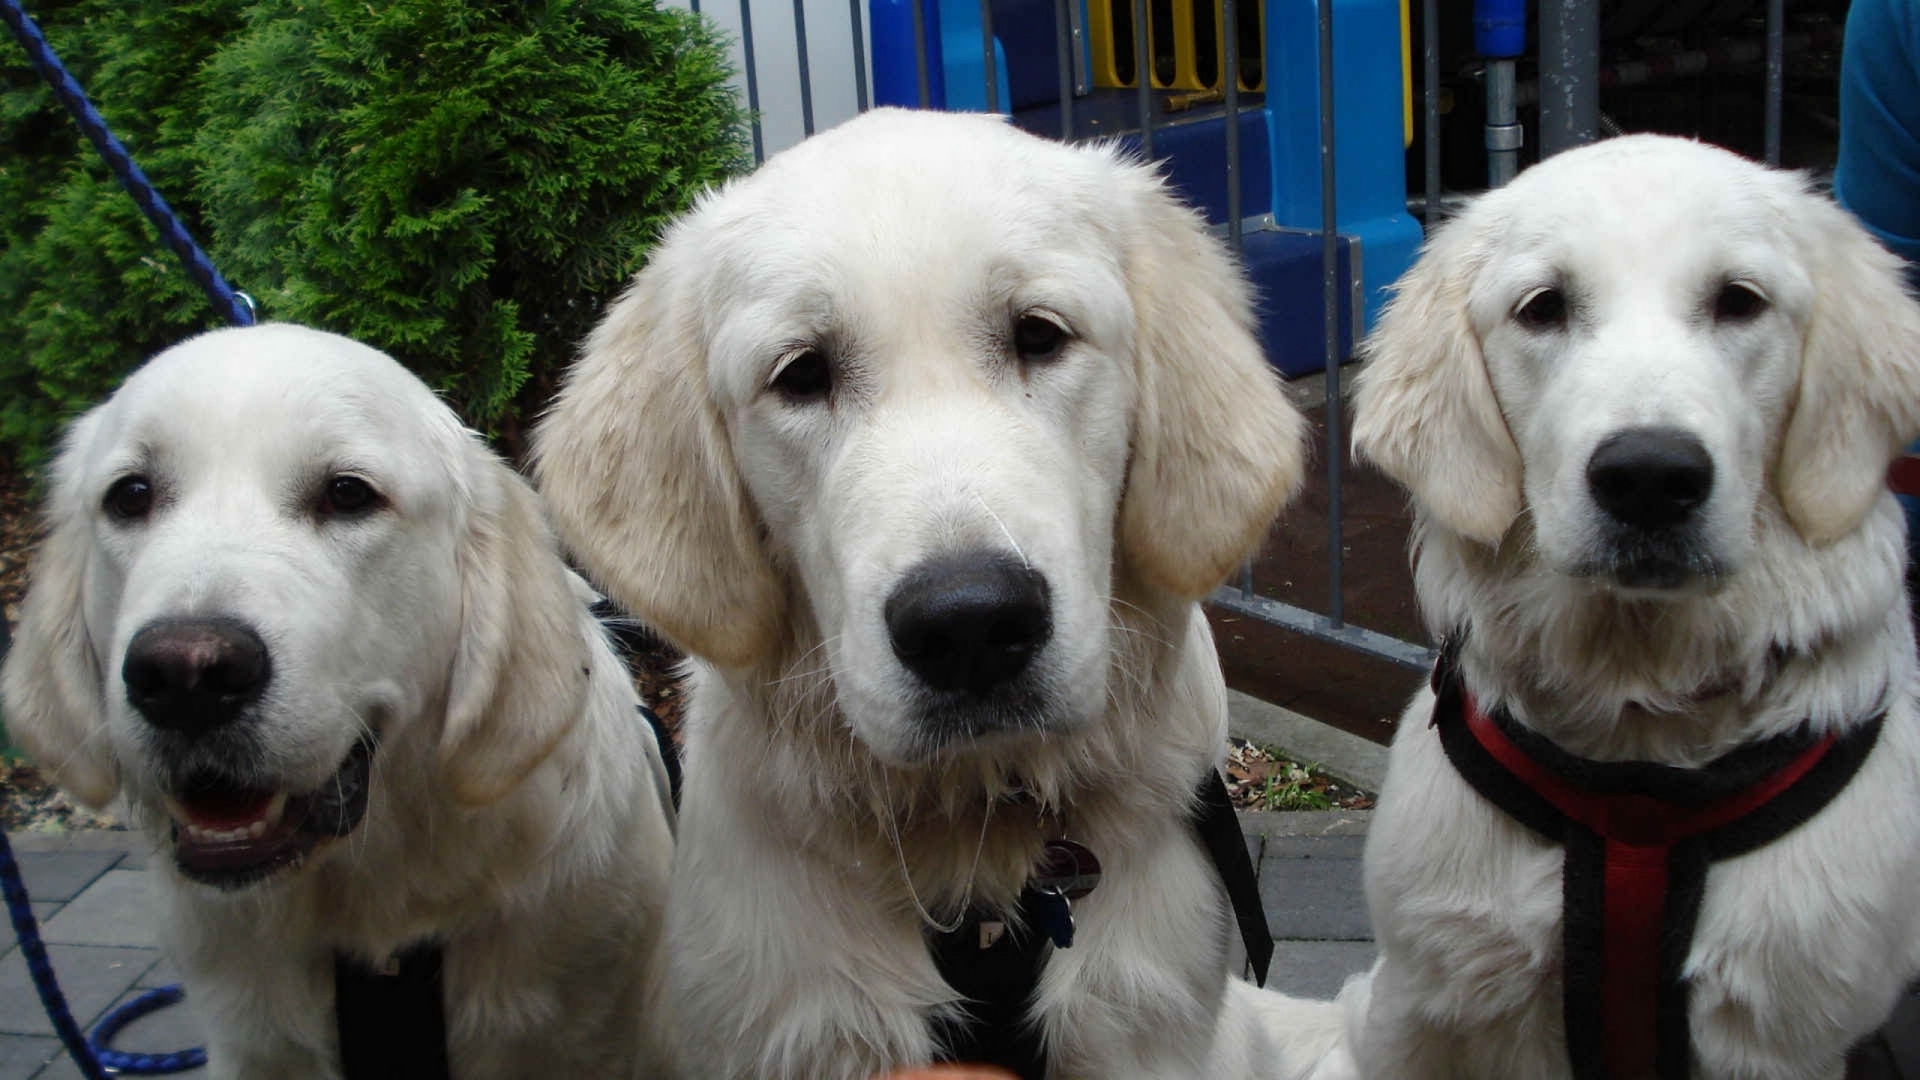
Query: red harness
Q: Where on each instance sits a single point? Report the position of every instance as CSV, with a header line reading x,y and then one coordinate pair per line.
x,y
1639,838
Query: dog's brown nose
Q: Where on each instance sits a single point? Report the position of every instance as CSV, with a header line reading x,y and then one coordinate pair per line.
x,y
1650,477
193,675
969,622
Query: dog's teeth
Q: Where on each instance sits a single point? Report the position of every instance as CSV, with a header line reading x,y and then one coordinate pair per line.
x,y
275,809
256,830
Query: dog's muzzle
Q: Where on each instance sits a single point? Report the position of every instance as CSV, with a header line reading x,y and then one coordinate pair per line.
x,y
1650,484
194,676
969,624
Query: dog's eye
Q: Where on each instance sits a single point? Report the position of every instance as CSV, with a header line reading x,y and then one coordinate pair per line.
x,y
1738,301
1544,309
348,496
130,498
1039,339
805,375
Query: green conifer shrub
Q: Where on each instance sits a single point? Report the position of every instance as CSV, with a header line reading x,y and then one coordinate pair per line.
x,y
463,184
87,290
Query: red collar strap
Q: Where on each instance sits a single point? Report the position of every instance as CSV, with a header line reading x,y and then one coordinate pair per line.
x,y
1639,837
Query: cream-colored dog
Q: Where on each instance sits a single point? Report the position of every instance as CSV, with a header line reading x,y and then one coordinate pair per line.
x,y
924,441
322,641
1644,398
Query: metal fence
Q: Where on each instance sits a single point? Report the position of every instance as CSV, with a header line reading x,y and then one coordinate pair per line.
x,y
805,65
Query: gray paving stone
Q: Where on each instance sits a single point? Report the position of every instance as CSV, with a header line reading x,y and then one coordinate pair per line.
x,y
43,911
163,973
1256,847
1316,899
1315,847
117,910
23,1055
1315,969
92,977
58,876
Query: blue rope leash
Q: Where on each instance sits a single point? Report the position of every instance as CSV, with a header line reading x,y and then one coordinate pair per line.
x,y
27,929
236,306
94,1056
126,1013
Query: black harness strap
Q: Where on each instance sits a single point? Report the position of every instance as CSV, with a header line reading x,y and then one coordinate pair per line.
x,y
391,1022
1638,839
994,962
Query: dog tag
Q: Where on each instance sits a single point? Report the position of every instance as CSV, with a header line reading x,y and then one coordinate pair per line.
x,y
1056,917
1067,868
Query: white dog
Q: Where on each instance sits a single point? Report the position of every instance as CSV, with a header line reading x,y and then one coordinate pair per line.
x,y
323,642
924,440
1644,398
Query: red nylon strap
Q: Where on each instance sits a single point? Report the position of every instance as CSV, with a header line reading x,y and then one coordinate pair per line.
x,y
1903,476
1639,832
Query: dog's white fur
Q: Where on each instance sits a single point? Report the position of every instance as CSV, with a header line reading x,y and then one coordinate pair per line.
x,y
518,808
764,536
1798,616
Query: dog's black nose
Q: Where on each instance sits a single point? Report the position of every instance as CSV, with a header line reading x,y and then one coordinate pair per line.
x,y
193,675
969,622
1650,477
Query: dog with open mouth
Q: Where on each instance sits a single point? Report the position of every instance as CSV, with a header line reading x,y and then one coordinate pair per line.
x,y
322,641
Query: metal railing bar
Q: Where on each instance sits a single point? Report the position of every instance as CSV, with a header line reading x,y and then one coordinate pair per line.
x,y
920,50
1143,77
1229,18
753,79
859,55
806,77
1063,52
986,52
1315,625
1430,105
1776,75
1330,318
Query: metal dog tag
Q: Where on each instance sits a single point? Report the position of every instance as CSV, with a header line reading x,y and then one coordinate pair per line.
x,y
1067,868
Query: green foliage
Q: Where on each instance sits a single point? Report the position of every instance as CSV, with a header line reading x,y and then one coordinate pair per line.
x,y
461,183
87,290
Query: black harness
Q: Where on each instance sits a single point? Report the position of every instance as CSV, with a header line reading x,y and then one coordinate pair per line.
x,y
994,962
1638,839
391,1020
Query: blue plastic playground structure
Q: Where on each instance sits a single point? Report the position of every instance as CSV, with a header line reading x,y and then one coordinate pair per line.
x,y
1279,134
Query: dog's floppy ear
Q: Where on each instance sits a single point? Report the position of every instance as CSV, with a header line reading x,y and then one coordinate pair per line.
x,y
520,676
635,466
1217,448
1859,393
52,684
1424,409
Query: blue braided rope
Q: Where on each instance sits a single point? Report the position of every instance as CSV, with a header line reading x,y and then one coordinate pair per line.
x,y
142,1064
27,929
237,308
